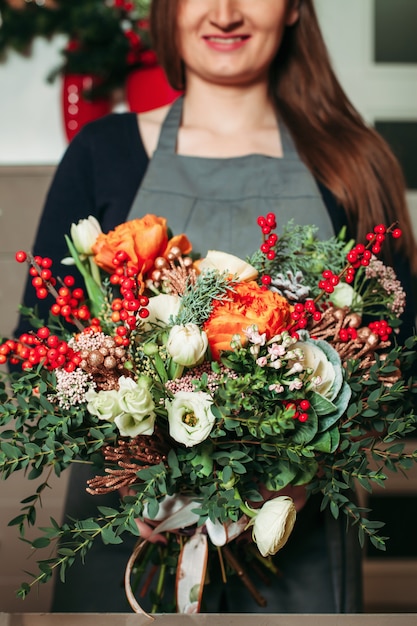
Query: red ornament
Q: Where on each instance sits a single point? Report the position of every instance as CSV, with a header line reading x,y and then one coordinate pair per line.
x,y
148,88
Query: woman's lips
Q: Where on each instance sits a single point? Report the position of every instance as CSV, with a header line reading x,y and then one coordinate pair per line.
x,y
226,43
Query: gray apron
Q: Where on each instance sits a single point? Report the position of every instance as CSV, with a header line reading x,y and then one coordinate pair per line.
x,y
216,202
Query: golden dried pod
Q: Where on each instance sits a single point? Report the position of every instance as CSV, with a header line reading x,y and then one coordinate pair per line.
x,y
95,358
104,351
84,354
161,263
83,365
373,339
156,276
354,320
338,314
175,252
108,343
363,333
119,352
110,363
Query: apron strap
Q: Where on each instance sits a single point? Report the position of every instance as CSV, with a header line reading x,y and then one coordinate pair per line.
x,y
167,141
289,150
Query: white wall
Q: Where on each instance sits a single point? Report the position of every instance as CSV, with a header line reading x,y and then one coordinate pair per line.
x,y
31,131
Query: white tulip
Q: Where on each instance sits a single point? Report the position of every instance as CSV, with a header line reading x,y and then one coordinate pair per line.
x,y
162,309
187,345
224,262
273,524
84,235
190,417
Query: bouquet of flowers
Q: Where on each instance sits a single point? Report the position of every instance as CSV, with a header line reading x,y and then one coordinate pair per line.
x,y
205,391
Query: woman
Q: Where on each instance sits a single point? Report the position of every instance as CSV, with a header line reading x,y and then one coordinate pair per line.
x,y
263,125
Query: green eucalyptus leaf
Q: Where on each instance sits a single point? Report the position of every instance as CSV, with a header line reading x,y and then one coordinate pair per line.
x,y
306,431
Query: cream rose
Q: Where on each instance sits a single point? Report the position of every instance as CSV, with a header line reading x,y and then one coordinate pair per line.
x,y
103,404
345,295
190,417
224,262
187,345
273,524
321,368
137,415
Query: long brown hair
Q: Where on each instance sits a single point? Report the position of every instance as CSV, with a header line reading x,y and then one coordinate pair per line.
x,y
340,150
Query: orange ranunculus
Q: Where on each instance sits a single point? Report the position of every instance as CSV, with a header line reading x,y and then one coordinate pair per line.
x,y
248,305
143,239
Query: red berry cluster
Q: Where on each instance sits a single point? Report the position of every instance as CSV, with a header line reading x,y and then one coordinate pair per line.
x,y
381,328
132,305
267,224
32,349
348,334
301,312
126,5
300,408
329,281
360,255
67,300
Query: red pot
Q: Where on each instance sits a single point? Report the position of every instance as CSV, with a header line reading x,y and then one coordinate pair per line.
x,y
76,109
148,88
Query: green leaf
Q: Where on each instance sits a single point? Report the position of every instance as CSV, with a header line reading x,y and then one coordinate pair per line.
x,y
109,537
10,451
41,542
323,442
306,473
65,552
94,290
334,509
306,431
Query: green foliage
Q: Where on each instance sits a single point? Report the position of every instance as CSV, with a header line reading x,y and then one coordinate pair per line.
x,y
299,250
273,422
198,300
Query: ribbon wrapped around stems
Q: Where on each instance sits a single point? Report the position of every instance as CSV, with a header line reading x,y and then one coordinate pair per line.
x,y
178,513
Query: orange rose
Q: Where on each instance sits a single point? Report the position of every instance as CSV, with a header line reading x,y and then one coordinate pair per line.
x,y
142,239
248,305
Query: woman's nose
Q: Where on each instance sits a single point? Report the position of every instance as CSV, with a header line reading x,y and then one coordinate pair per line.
x,y
226,14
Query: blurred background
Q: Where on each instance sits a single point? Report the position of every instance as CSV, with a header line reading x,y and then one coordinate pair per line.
x,y
66,62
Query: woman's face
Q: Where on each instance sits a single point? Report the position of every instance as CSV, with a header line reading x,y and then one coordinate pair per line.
x,y
232,42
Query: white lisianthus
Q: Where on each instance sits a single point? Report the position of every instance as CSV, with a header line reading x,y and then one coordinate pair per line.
x,y
161,309
273,524
137,415
187,344
224,262
345,295
315,360
84,235
103,404
190,417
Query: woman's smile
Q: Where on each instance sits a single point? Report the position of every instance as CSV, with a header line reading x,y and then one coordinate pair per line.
x,y
225,43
